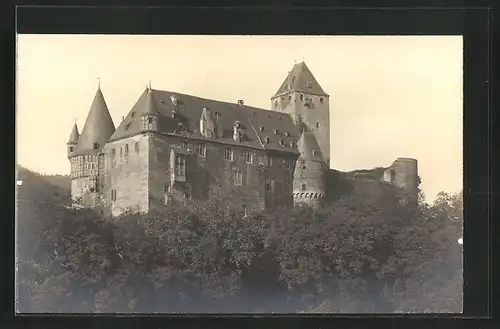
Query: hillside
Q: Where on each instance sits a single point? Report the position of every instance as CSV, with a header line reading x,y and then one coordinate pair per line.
x,y
43,188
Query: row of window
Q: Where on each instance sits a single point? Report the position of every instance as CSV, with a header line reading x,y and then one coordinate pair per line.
x,y
125,149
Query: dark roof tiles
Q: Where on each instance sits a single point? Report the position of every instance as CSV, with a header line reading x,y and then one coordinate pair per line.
x,y
73,138
189,110
98,126
301,79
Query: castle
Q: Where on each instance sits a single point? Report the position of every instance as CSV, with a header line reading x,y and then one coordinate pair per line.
x,y
177,146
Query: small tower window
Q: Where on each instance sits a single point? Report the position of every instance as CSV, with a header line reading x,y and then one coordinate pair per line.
x,y
301,97
317,124
321,100
313,152
132,114
71,148
303,187
113,151
113,195
309,84
289,98
96,146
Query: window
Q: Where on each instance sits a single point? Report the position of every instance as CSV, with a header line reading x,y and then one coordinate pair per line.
x,y
317,124
166,188
286,163
150,120
96,146
71,148
137,146
303,187
132,114
113,195
269,161
301,97
249,156
314,152
180,165
261,128
287,134
121,151
126,149
245,211
309,84
187,192
238,178
269,185
267,140
281,143
184,145
276,131
289,98
113,152
304,167
229,155
202,150
321,100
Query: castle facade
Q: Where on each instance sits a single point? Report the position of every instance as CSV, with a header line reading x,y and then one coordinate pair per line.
x,y
177,146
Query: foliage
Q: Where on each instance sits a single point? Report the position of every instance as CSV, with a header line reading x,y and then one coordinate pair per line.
x,y
364,253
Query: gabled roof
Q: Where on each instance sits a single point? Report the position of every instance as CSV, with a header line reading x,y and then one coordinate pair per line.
x,y
189,111
98,126
73,138
301,79
309,148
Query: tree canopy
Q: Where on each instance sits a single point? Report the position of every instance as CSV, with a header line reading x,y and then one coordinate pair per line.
x,y
365,252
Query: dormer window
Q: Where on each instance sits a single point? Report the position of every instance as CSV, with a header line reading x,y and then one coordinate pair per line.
x,y
293,144
276,131
267,140
309,84
261,128
281,143
287,134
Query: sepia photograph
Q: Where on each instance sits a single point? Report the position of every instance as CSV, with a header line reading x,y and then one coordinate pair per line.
x,y
203,174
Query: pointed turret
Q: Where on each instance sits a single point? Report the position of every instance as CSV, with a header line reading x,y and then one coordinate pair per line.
x,y
301,79
149,118
73,140
98,126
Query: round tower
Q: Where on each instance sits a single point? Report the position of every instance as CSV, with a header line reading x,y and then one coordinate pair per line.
x,y
149,119
309,176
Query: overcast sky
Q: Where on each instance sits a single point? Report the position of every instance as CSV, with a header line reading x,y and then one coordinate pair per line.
x,y
390,96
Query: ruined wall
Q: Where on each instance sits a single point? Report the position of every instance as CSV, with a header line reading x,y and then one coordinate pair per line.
x,y
126,175
404,174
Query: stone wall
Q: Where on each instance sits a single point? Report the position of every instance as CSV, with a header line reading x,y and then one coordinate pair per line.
x,y
212,173
309,182
126,175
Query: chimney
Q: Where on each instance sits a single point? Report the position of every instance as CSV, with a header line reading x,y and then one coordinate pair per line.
x,y
240,102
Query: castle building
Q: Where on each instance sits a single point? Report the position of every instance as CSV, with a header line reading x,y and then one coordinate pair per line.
x,y
176,146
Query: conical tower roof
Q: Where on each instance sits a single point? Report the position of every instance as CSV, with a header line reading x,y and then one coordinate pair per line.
x,y
150,105
98,126
309,148
73,138
301,79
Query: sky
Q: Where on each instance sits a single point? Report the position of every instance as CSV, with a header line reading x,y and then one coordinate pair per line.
x,y
390,96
